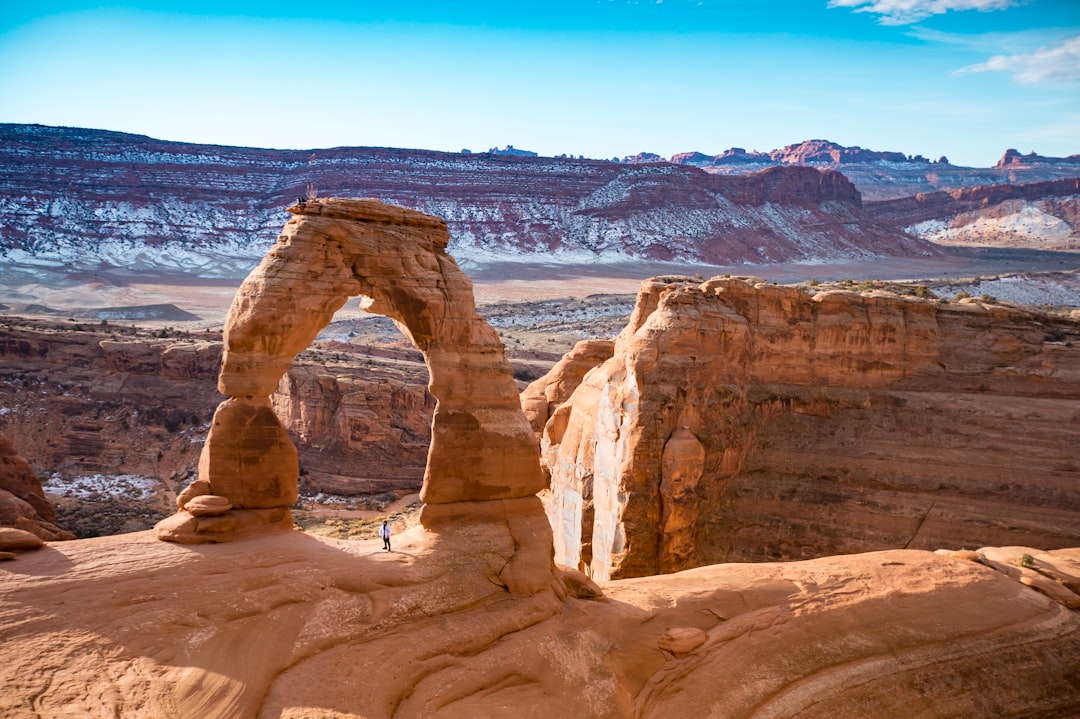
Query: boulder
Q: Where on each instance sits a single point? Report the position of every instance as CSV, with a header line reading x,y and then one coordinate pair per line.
x,y
680,641
195,489
22,501
12,539
208,505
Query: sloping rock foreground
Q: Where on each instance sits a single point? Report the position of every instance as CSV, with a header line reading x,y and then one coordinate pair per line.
x,y
291,626
733,420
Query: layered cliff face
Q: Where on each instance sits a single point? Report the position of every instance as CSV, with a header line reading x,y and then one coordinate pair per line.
x,y
741,421
1041,215
91,200
105,399
360,426
114,418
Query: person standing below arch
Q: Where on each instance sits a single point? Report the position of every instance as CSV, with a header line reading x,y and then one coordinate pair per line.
x,y
384,532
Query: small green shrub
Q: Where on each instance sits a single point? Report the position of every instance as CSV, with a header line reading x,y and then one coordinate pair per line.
x,y
1027,561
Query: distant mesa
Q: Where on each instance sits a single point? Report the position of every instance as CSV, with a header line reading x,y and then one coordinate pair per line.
x,y
512,151
161,312
499,205
33,309
810,152
1012,158
168,312
643,158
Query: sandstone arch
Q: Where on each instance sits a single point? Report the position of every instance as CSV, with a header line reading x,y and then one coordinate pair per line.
x,y
483,450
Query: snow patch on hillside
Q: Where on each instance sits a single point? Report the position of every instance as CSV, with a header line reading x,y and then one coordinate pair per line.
x,y
1058,290
128,486
1010,222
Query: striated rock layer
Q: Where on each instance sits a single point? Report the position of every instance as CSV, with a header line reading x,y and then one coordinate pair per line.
x,y
741,421
90,199
296,627
483,462
360,425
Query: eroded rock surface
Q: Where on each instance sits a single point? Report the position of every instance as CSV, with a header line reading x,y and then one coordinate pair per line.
x,y
483,454
291,626
833,423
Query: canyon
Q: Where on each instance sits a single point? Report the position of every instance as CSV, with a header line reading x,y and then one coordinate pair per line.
x,y
115,417
238,615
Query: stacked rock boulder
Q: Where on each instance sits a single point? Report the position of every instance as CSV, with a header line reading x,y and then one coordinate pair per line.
x,y
27,519
483,463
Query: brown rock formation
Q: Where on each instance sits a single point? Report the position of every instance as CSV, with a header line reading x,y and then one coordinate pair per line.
x,y
22,502
15,540
482,448
681,466
540,398
291,626
101,399
1012,158
834,423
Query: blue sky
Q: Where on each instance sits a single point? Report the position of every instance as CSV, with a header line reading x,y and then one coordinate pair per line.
x,y
600,78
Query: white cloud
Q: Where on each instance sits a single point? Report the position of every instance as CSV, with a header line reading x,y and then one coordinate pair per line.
x,y
905,12
1059,63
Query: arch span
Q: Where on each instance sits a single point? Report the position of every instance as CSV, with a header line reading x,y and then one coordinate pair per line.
x,y
482,447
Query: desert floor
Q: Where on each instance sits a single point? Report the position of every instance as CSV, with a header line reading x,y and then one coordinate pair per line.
x,y
24,294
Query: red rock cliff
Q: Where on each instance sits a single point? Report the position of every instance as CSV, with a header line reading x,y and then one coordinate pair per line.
x,y
741,421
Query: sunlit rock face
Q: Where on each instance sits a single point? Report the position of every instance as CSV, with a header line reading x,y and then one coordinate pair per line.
x,y
742,421
482,447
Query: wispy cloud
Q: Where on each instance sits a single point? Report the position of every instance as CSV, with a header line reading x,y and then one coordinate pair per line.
x,y
1058,63
905,12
